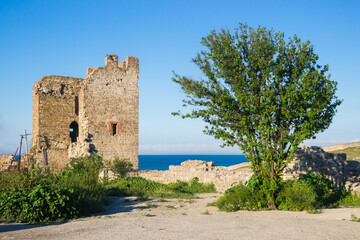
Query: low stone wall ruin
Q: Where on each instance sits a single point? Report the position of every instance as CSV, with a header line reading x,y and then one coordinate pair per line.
x,y
307,159
332,166
207,172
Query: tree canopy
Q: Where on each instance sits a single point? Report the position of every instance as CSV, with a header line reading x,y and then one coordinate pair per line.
x,y
261,93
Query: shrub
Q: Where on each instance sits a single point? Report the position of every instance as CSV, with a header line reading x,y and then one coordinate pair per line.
x,y
24,178
243,197
89,165
83,175
307,193
41,204
310,192
322,188
78,187
349,199
120,167
297,196
90,193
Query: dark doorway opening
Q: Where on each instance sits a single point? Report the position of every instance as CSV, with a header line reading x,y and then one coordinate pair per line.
x,y
74,131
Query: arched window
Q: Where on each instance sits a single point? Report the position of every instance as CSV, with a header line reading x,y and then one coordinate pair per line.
x,y
74,131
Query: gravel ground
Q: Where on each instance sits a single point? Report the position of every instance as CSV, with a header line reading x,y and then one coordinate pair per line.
x,y
192,219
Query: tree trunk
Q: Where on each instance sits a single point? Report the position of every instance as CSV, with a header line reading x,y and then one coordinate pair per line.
x,y
271,197
272,172
272,206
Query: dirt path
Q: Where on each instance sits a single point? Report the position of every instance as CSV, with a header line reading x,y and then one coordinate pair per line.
x,y
184,219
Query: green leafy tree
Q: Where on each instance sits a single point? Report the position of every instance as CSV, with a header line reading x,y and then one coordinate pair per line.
x,y
261,93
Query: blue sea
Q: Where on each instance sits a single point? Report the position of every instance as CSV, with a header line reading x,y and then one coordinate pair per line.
x,y
162,162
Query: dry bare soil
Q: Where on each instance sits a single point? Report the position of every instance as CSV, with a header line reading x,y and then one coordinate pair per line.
x,y
192,219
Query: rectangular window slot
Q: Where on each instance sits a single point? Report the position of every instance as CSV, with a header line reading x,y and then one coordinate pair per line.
x,y
113,128
77,105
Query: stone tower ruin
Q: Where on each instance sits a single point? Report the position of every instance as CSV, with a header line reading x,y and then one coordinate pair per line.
x,y
75,117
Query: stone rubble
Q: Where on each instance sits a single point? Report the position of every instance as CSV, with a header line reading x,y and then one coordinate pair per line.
x,y
5,161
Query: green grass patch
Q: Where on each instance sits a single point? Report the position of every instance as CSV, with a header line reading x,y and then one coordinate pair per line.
x,y
151,205
354,218
206,213
138,186
170,207
149,215
194,186
142,198
352,153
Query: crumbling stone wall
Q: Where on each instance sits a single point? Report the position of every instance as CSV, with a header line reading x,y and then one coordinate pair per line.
x,y
332,166
53,111
110,101
92,108
5,161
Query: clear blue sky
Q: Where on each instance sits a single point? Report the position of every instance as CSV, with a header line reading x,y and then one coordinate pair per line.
x,y
39,38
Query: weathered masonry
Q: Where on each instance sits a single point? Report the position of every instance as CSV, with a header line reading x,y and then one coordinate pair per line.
x,y
75,117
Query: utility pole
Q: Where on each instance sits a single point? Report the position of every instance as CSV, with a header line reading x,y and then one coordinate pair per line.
x,y
27,150
26,142
19,158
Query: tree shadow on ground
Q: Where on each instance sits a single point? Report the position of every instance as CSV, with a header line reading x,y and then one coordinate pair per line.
x,y
118,205
9,227
123,204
